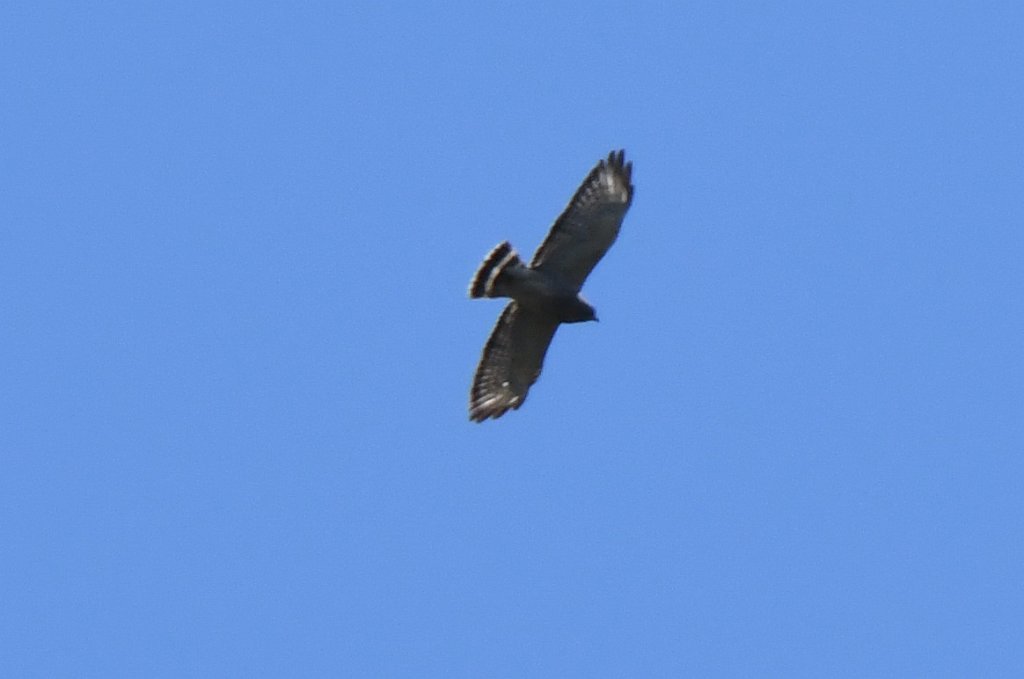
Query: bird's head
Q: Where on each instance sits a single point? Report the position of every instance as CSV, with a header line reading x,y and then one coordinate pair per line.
x,y
578,311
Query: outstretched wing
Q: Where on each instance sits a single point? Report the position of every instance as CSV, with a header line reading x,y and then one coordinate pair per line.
x,y
511,361
589,224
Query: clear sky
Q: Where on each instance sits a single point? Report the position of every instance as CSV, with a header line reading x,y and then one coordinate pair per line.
x,y
235,241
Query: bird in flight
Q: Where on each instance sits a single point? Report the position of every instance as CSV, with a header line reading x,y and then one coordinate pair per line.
x,y
545,293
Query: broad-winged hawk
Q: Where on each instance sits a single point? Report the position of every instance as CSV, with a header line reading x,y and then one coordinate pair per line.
x,y
545,293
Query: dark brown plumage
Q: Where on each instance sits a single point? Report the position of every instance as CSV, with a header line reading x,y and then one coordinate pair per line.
x,y
545,293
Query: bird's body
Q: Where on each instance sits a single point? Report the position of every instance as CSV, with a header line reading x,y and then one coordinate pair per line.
x,y
503,274
545,293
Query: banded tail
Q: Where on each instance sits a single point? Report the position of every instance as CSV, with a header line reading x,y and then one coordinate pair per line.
x,y
491,277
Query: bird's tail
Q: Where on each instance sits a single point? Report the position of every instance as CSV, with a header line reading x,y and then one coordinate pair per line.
x,y
491,276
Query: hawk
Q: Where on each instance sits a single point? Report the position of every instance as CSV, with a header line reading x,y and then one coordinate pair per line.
x,y
545,293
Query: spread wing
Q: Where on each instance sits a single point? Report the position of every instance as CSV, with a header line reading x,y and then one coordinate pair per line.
x,y
589,224
511,361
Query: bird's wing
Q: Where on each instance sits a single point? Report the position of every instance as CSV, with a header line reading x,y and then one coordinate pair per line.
x,y
511,362
589,224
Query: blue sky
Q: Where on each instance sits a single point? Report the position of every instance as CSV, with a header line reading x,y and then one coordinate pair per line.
x,y
235,240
